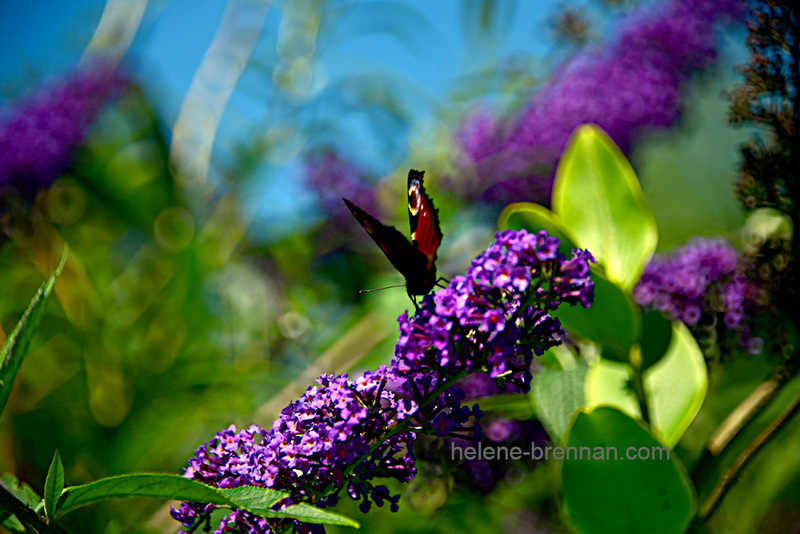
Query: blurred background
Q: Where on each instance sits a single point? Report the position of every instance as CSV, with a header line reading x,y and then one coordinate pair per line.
x,y
193,156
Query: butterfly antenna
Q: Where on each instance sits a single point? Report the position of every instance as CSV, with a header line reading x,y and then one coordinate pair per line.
x,y
379,288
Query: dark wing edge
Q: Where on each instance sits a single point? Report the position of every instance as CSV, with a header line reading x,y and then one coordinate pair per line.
x,y
423,217
400,252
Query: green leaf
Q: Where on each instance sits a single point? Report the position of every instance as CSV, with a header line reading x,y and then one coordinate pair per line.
x,y
16,345
534,218
612,320
12,524
311,514
511,405
597,196
675,386
253,498
260,500
656,337
608,491
24,493
21,490
53,486
161,486
557,394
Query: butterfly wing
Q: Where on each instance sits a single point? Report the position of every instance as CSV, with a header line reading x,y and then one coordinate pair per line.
x,y
423,218
403,255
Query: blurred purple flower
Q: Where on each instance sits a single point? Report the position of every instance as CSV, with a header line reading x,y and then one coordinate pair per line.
x,y
332,177
38,136
629,87
702,282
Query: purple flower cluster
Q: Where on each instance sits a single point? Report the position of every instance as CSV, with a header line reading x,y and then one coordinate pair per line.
x,y
701,282
38,136
337,435
332,177
491,320
342,434
628,87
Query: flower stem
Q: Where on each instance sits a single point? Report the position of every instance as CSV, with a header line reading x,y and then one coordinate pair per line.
x,y
635,360
746,411
641,396
731,475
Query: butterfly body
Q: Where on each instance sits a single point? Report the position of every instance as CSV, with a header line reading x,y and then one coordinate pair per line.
x,y
416,260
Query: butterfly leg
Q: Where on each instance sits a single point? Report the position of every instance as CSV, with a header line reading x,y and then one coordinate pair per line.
x,y
414,300
440,280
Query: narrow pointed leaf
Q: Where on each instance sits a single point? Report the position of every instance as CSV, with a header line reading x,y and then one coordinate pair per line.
x,y
163,486
53,485
311,514
174,487
19,340
252,498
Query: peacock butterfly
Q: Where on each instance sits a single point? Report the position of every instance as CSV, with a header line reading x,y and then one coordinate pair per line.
x,y
416,260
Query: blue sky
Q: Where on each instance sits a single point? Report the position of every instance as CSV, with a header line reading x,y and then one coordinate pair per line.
x,y
422,48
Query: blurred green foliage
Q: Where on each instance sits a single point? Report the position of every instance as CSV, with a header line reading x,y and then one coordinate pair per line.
x,y
174,317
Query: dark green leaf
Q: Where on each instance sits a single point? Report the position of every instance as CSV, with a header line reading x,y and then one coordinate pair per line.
x,y
24,493
612,320
20,490
53,486
656,337
608,491
512,405
557,394
12,524
18,341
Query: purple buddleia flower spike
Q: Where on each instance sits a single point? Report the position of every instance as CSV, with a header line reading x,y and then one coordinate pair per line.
x,y
38,136
629,86
333,438
703,282
492,320
343,434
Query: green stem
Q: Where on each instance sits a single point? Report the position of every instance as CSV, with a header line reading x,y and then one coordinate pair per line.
x,y
746,411
638,383
638,388
731,475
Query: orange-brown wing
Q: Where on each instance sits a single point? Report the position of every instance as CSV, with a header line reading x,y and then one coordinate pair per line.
x,y
405,258
423,217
